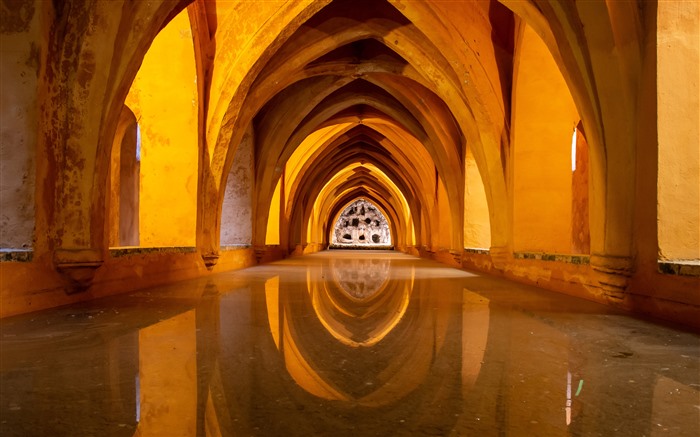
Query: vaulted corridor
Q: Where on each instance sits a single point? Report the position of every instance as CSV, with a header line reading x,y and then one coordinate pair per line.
x,y
521,177
553,143
346,343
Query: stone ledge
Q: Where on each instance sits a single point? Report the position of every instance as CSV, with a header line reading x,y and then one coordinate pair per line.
x,y
228,247
118,252
541,256
477,251
680,267
16,255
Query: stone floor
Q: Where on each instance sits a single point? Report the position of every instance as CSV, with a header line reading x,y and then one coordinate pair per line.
x,y
346,344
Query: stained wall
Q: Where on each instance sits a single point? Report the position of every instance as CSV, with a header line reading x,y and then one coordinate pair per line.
x,y
20,51
678,100
237,212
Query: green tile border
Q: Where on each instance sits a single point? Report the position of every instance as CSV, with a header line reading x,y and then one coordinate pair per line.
x,y
229,247
477,251
541,256
119,252
679,268
16,255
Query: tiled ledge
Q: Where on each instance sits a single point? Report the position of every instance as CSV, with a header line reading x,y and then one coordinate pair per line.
x,y
569,259
477,251
118,252
227,247
680,267
16,255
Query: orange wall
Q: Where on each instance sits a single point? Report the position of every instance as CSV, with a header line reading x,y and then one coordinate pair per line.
x,y
477,229
273,221
164,99
678,54
444,223
544,117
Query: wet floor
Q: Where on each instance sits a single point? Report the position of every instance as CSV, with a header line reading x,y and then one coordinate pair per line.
x,y
346,344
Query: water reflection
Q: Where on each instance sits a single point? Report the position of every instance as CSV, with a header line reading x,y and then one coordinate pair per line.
x,y
287,349
359,278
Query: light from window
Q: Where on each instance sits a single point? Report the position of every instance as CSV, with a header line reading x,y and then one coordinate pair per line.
x,y
573,151
138,143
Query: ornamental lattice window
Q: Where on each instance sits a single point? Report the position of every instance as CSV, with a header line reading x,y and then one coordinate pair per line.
x,y
361,225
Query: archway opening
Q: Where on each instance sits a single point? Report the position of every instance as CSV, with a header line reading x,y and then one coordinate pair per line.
x,y
164,100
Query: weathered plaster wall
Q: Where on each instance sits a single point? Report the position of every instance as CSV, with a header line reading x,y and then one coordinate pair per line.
x,y
237,210
678,57
163,97
33,286
673,297
477,228
20,52
544,117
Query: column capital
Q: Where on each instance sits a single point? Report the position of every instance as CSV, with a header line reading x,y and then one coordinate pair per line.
x,y
210,259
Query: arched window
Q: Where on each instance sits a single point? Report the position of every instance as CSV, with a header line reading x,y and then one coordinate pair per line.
x,y
125,171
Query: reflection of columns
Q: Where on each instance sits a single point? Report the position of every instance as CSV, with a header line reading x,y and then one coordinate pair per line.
x,y
208,337
475,331
168,377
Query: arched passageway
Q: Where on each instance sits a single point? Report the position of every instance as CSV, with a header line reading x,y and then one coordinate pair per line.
x,y
183,165
155,141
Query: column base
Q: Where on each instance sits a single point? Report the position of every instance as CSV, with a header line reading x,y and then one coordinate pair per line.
x,y
611,274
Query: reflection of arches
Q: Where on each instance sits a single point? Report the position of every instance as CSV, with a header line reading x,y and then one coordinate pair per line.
x,y
360,278
125,170
413,324
346,316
